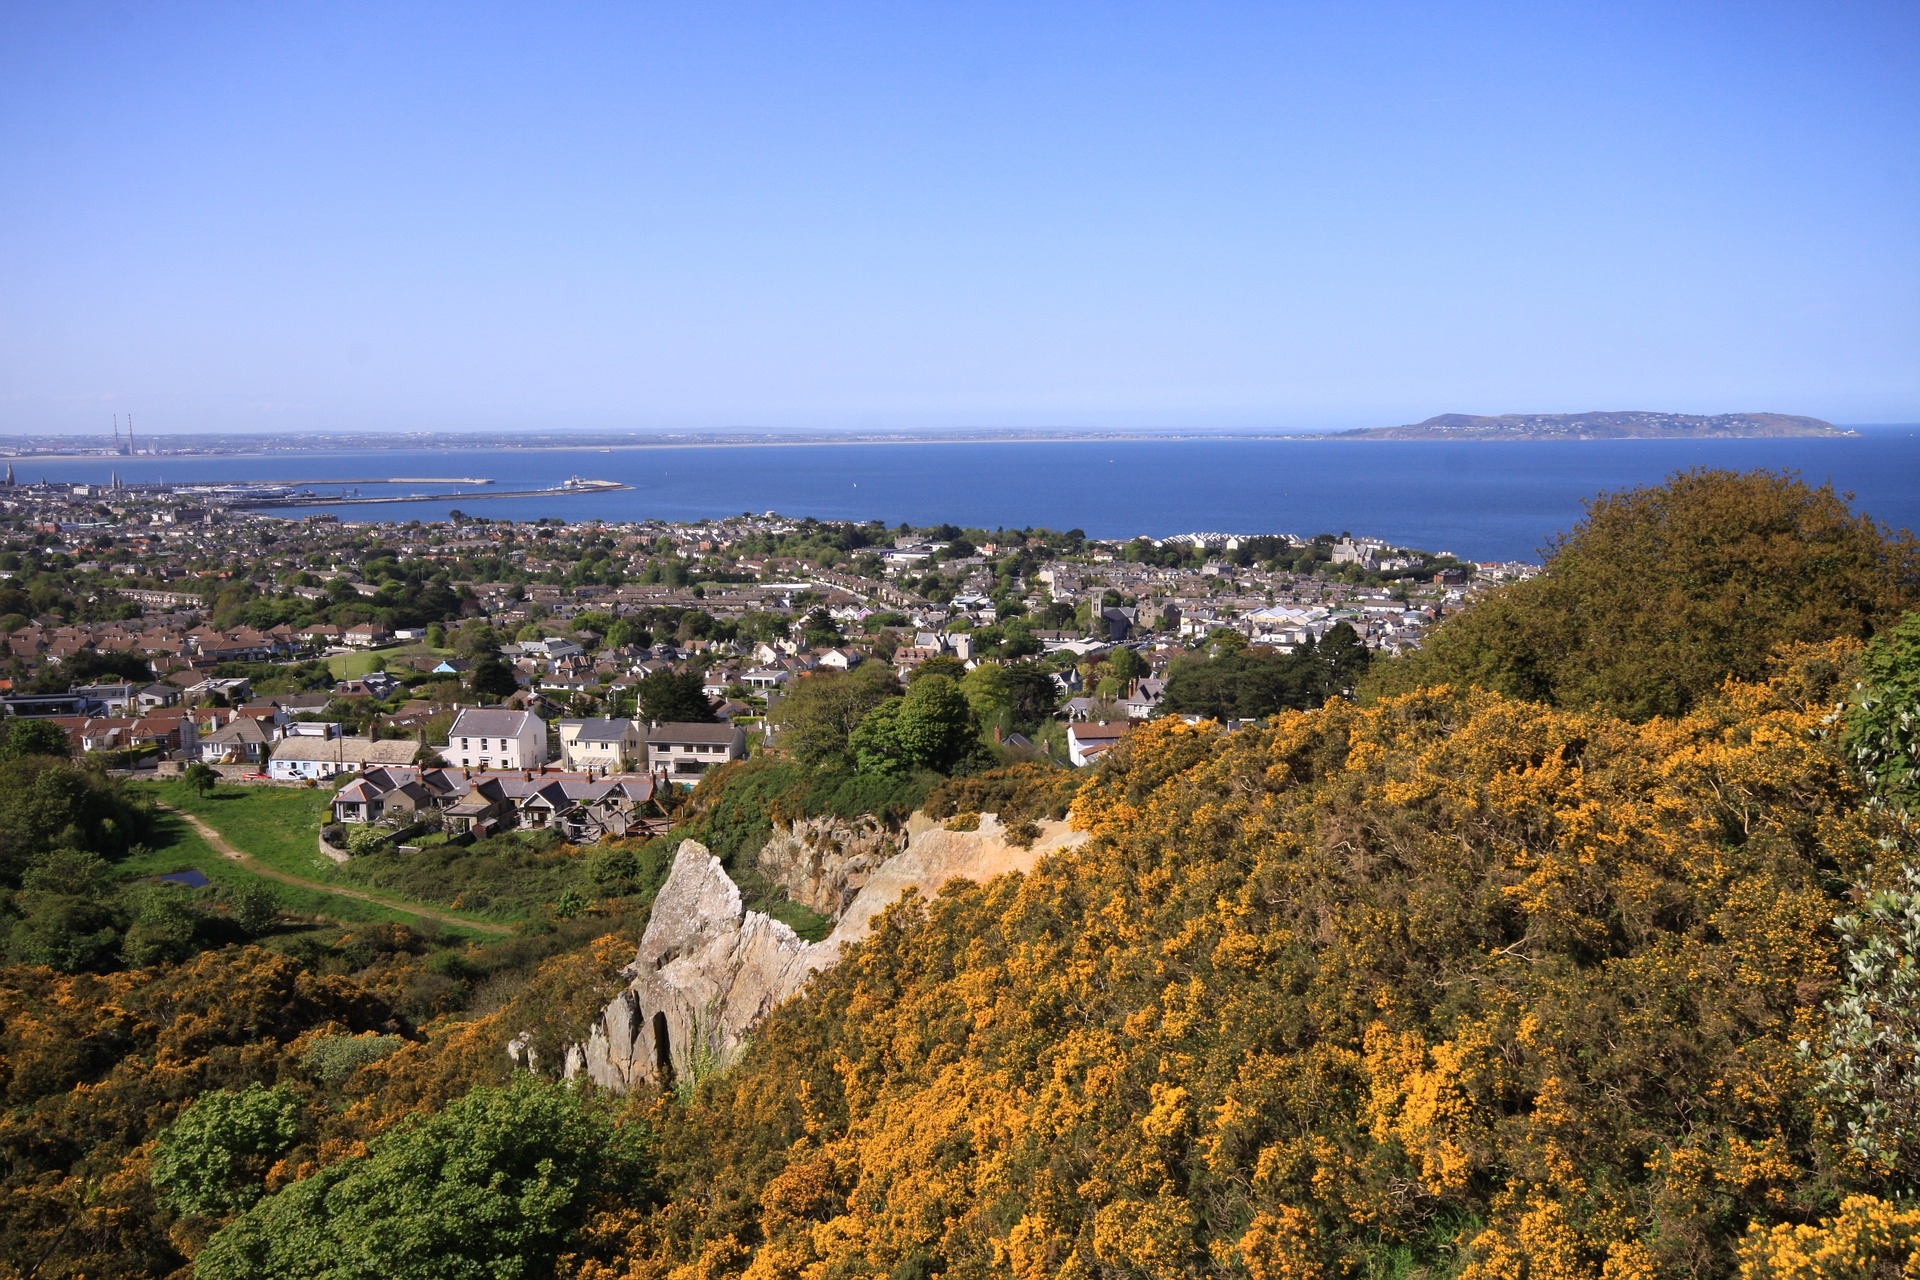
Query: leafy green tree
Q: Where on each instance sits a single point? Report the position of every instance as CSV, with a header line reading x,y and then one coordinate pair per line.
x,y
674,697
1126,666
1660,594
492,678
492,1187
213,1160
931,727
69,917
254,905
201,777
821,710
33,738
1883,724
164,921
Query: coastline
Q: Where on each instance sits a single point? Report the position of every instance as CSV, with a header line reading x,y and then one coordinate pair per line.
x,y
466,444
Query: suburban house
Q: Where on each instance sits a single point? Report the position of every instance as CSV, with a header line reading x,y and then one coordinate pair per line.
x,y
1088,742
368,635
242,740
582,807
496,738
607,745
298,758
685,751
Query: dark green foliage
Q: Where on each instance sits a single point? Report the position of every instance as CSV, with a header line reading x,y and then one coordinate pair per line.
x,y
510,876
1883,724
490,677
818,716
492,1188
674,697
213,1160
1661,594
735,807
1255,683
931,727
33,738
46,803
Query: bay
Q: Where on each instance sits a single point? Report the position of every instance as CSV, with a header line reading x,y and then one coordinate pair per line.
x,y
1481,500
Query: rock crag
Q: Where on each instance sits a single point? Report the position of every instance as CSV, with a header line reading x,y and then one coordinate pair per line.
x,y
708,969
822,863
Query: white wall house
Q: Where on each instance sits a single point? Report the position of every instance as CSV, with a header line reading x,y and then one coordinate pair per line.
x,y
496,738
614,745
300,758
685,751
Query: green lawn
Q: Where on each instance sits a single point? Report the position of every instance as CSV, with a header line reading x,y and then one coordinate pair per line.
x,y
178,847
281,827
351,666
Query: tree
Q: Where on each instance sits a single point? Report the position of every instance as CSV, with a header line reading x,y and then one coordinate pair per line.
x,y
253,904
1661,594
931,727
213,1160
492,678
669,696
201,777
494,1185
33,738
1869,1063
818,716
1883,723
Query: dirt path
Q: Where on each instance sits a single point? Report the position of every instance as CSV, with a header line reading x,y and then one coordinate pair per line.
x,y
222,846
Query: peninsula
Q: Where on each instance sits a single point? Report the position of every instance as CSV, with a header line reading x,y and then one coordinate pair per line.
x,y
1621,425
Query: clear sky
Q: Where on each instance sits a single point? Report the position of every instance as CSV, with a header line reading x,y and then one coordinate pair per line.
x,y
544,216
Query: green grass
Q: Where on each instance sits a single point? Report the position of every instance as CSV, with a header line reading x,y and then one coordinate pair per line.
x,y
351,666
178,847
280,826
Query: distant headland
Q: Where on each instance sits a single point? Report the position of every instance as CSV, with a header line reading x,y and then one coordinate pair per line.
x,y
1622,425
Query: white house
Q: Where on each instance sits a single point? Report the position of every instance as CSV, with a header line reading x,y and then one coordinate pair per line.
x,y
496,738
1088,742
297,759
685,751
612,745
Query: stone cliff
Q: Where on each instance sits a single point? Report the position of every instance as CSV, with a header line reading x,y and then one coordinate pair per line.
x,y
708,969
823,862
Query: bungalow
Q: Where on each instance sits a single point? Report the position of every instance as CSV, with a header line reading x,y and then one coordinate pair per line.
x,y
239,741
299,758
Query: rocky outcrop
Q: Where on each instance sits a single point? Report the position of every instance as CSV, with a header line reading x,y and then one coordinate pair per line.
x,y
822,863
708,969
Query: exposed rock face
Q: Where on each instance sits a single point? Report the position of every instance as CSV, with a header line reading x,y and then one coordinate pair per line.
x,y
823,862
708,969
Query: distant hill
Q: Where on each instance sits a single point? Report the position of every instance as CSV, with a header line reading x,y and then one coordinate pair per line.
x,y
1623,425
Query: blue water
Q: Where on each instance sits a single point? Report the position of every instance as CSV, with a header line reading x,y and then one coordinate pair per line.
x,y
1483,501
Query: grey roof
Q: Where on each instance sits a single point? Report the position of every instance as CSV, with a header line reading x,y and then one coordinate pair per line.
x,y
347,750
490,722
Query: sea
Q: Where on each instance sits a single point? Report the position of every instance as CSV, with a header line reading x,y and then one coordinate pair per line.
x,y
1480,500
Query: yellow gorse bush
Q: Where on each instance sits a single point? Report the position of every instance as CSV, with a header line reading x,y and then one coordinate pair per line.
x,y
1451,980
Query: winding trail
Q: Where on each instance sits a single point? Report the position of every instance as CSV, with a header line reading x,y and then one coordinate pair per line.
x,y
226,849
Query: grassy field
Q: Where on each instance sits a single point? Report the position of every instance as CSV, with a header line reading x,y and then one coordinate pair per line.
x,y
179,848
351,666
280,826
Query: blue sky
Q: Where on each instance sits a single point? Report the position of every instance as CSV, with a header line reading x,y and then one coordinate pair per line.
x,y
1205,215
